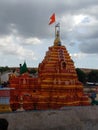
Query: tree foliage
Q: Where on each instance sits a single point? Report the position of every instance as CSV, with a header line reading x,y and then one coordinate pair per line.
x,y
32,71
93,76
81,75
3,69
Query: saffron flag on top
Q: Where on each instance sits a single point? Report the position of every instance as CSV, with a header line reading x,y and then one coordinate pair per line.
x,y
52,19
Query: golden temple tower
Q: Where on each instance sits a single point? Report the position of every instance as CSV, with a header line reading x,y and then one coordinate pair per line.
x,y
55,87
58,81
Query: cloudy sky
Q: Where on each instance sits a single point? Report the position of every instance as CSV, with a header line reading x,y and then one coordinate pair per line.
x,y
25,34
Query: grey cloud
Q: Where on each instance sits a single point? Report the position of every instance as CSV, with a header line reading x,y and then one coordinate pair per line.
x,y
90,46
86,32
30,19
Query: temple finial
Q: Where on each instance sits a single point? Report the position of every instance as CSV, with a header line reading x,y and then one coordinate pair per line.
x,y
57,41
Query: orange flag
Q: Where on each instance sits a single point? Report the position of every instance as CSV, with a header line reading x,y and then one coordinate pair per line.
x,y
52,19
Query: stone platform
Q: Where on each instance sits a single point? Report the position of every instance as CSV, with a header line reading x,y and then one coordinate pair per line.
x,y
69,118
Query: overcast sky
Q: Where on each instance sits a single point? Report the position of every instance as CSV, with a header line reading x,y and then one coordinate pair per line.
x,y
25,34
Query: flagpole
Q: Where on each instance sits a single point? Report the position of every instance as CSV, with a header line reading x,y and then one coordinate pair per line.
x,y
55,26
55,29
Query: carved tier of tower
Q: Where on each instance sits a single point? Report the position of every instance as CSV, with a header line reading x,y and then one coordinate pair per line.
x,y
58,79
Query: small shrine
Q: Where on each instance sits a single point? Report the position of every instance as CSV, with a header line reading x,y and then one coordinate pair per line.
x,y
56,86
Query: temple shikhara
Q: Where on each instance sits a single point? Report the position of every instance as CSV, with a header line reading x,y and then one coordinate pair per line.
x,y
56,85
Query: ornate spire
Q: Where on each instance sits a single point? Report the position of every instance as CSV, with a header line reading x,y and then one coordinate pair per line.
x,y
57,41
23,68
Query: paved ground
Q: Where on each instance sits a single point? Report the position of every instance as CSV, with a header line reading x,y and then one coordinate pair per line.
x,y
70,118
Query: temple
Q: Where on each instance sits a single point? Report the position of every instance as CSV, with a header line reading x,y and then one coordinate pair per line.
x,y
55,87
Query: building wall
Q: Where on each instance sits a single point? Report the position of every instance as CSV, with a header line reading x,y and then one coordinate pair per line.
x,y
5,76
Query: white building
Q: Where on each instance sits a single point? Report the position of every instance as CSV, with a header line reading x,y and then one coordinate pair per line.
x,y
5,76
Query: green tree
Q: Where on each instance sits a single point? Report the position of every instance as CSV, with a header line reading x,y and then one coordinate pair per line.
x,y
3,69
81,75
93,76
33,71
